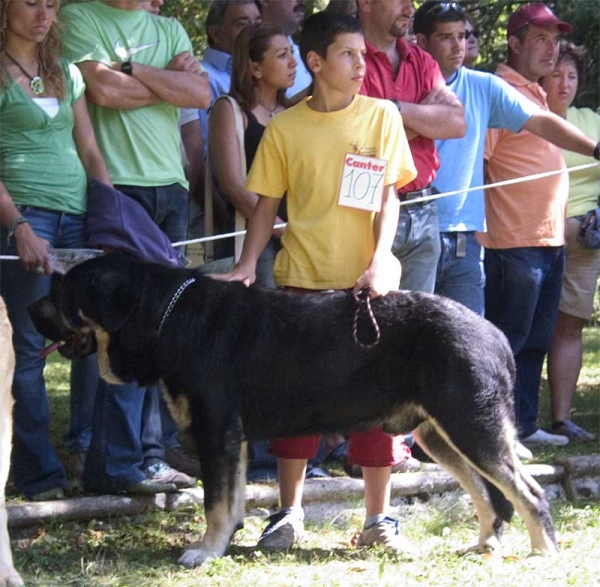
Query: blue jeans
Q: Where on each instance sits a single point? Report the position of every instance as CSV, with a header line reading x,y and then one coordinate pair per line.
x,y
521,298
131,425
417,246
35,465
460,274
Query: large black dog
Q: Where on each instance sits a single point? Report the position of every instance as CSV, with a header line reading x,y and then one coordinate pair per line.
x,y
248,363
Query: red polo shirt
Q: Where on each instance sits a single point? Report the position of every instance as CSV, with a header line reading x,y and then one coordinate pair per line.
x,y
416,77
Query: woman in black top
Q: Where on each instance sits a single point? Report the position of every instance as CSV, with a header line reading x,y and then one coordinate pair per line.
x,y
263,67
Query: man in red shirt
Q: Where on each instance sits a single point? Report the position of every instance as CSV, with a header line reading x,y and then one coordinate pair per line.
x,y
411,78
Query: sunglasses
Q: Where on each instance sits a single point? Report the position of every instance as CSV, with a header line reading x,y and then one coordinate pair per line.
x,y
469,33
443,7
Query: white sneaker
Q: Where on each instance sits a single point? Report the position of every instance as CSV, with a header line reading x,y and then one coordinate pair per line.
x,y
523,452
541,437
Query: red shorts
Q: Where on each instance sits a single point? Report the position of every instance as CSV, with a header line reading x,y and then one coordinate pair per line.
x,y
373,448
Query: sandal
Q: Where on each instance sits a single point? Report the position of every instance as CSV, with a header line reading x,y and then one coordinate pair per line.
x,y
572,431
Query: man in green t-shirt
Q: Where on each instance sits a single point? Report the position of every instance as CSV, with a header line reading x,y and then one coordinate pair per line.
x,y
139,70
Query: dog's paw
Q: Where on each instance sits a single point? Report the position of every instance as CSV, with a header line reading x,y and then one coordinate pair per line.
x,y
491,546
195,555
11,579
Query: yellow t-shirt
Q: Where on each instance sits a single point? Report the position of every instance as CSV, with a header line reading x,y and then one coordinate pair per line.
x,y
584,185
302,154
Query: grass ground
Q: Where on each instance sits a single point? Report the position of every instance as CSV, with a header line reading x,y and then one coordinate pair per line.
x,y
142,551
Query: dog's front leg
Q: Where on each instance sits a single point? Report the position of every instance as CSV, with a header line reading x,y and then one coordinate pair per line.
x,y
224,478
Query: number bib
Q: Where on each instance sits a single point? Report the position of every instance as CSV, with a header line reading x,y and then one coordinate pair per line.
x,y
362,182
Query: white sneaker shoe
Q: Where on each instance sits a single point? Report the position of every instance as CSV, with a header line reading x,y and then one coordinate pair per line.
x,y
523,452
541,437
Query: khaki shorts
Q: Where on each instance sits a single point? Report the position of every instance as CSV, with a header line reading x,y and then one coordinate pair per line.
x,y
580,280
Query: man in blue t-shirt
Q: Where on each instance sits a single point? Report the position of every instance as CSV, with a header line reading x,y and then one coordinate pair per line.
x,y
489,102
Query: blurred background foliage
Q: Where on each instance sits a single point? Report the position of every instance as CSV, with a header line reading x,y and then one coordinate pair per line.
x,y
491,16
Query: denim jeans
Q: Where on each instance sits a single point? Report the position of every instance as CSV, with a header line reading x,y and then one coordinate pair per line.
x,y
521,298
35,465
131,425
417,246
461,277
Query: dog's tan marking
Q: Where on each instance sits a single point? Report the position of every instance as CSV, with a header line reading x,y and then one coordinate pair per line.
x,y
103,339
8,574
179,407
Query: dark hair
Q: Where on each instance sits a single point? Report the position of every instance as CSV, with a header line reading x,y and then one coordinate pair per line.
x,y
349,7
322,29
216,13
432,12
250,46
570,52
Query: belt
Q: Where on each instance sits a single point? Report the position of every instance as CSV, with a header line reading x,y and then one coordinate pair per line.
x,y
423,193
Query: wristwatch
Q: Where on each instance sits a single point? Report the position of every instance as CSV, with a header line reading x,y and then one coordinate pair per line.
x,y
597,151
126,67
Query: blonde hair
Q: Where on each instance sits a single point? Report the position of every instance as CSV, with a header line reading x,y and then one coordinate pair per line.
x,y
48,54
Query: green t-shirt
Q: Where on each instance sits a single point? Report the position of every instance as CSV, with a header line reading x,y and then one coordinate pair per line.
x,y
39,163
140,145
584,185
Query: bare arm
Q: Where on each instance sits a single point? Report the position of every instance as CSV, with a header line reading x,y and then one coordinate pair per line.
x,y
226,159
227,165
85,141
113,89
439,116
259,232
383,273
181,83
32,250
561,133
193,145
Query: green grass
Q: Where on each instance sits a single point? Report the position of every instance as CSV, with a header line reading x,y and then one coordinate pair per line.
x,y
143,551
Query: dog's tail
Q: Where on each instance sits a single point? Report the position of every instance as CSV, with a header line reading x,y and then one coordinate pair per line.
x,y
502,507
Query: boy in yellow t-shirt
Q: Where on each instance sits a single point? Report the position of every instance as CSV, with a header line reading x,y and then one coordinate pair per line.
x,y
339,157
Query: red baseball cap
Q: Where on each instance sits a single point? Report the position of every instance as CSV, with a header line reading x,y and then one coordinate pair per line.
x,y
537,14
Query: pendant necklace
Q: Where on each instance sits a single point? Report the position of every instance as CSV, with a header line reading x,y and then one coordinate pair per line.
x,y
269,110
35,83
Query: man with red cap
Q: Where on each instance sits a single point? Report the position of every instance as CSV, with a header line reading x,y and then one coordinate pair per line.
x,y
524,242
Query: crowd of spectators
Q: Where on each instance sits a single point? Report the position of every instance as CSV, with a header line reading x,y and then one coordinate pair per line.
x,y
115,92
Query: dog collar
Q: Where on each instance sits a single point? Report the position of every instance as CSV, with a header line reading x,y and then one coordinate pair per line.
x,y
173,301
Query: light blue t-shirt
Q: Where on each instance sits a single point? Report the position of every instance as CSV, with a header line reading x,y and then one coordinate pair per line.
x,y
218,66
489,102
303,77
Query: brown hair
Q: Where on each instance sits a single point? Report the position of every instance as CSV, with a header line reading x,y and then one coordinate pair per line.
x,y
576,55
48,54
250,46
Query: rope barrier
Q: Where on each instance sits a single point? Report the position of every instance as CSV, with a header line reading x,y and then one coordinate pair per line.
x,y
405,203
425,198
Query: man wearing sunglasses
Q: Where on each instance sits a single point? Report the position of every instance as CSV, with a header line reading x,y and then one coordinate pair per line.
x,y
492,102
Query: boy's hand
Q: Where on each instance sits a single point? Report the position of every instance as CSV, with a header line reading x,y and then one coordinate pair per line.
x,y
382,276
244,273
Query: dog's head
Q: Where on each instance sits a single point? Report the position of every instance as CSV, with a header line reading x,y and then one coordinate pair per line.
x,y
96,296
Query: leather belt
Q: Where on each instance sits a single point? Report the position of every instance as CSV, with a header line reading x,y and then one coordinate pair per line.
x,y
423,193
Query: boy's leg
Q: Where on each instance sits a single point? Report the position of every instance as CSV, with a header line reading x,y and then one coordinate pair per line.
x,y
376,452
285,527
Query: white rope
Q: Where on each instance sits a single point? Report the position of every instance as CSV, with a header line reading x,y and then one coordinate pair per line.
x,y
405,203
423,199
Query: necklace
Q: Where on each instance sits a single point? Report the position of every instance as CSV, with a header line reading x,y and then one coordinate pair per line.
x,y
35,83
269,110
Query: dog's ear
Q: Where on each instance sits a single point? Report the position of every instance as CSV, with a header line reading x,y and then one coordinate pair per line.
x,y
109,297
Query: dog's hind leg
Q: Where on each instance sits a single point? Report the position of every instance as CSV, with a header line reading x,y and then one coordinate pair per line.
x,y
224,478
493,457
8,575
450,459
